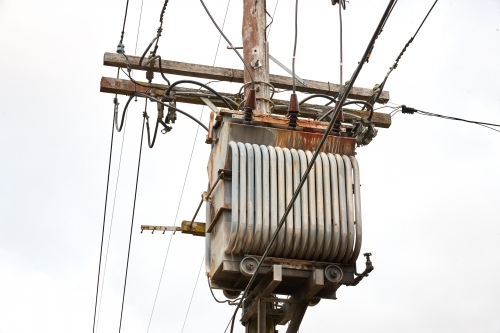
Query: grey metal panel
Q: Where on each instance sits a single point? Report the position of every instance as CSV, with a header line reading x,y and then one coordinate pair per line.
x,y
350,208
250,205
328,207
288,197
273,182
304,206
342,208
357,207
265,200
335,207
311,180
234,197
242,223
280,243
320,209
297,218
258,200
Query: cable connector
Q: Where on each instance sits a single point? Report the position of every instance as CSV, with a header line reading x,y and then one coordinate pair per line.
x,y
407,110
120,48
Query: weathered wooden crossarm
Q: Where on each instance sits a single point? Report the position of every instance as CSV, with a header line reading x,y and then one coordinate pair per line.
x,y
236,75
191,96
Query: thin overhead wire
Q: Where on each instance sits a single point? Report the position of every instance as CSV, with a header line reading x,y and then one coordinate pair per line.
x,y
103,223
408,110
270,24
138,28
337,109
111,223
192,294
131,225
185,178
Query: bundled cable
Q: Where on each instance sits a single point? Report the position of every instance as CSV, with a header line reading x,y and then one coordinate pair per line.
x,y
380,88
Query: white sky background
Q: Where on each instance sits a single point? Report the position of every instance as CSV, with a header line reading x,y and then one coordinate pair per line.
x,y
431,187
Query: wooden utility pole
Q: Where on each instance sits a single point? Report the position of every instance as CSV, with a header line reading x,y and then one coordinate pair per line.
x,y
255,52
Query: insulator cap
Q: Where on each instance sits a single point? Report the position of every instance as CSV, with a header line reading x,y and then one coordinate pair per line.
x,y
293,111
250,100
293,107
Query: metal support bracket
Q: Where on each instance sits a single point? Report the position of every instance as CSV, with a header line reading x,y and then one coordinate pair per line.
x,y
210,104
277,62
265,287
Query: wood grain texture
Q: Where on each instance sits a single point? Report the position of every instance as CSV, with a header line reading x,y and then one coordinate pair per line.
x,y
189,95
236,75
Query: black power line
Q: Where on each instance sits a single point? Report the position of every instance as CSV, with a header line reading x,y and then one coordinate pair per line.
x,y
376,96
407,110
131,225
337,108
103,222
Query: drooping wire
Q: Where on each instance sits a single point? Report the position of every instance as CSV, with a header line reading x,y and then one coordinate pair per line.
x,y
111,222
119,127
103,224
337,108
185,179
270,24
192,294
376,96
230,44
295,44
131,225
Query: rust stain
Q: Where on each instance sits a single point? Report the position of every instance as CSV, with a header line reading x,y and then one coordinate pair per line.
x,y
309,141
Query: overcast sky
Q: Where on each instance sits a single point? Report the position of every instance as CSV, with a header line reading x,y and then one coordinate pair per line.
x,y
430,187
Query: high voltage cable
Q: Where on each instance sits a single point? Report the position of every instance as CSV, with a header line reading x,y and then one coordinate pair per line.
x,y
185,178
192,294
124,21
295,44
103,222
111,222
341,84
96,313
107,183
131,225
337,108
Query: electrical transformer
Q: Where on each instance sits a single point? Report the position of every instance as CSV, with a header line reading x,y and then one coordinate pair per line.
x,y
253,173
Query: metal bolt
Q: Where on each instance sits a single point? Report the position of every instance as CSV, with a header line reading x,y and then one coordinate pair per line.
x,y
333,274
250,265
